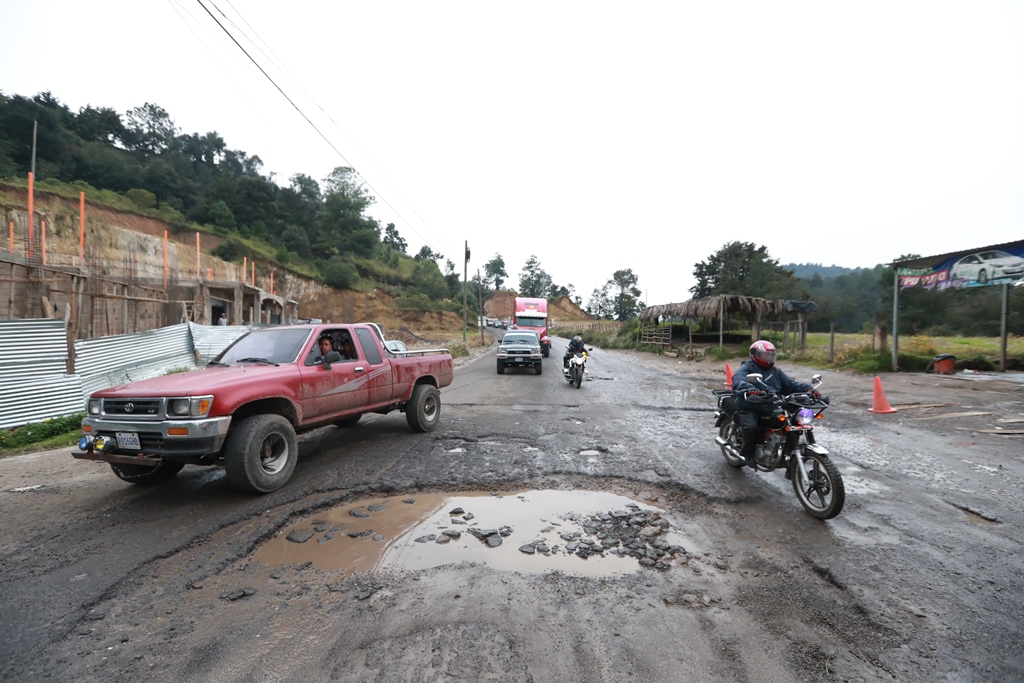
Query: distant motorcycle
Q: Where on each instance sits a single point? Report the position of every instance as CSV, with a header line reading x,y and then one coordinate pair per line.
x,y
577,370
786,440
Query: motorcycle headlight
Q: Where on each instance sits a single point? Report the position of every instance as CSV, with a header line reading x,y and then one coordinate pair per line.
x,y
805,416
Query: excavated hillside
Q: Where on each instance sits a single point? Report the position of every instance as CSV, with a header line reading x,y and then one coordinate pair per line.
x,y
119,243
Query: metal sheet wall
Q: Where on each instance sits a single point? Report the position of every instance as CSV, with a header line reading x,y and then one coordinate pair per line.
x,y
34,354
33,373
108,361
210,340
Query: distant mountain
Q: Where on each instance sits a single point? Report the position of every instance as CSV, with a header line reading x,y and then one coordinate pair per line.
x,y
805,271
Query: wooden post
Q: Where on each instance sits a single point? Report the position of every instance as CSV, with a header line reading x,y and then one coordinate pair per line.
x,y
42,238
832,343
10,231
198,272
271,282
721,320
252,265
245,268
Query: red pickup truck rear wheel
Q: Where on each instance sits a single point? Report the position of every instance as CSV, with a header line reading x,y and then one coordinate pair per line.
x,y
261,453
424,408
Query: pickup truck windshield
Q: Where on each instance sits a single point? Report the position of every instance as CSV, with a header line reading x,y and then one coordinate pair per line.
x,y
519,339
268,345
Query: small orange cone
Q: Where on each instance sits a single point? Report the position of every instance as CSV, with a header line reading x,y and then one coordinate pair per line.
x,y
728,376
880,404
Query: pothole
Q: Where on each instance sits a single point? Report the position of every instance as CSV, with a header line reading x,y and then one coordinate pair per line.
x,y
586,533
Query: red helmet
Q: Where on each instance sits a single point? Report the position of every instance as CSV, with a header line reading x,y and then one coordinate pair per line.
x,y
763,353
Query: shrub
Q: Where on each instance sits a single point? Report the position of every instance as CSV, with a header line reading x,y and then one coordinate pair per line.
x,y
34,432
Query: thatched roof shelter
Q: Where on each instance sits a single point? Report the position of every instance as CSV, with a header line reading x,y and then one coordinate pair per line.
x,y
711,308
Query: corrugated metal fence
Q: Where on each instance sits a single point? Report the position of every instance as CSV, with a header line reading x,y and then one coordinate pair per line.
x,y
34,354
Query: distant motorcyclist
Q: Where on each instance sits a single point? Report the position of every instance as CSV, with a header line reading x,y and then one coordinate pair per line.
x,y
773,381
575,346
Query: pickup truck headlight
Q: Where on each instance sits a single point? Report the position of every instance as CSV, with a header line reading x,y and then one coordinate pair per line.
x,y
196,406
94,406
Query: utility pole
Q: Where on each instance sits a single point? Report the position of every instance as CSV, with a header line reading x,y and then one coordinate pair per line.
x,y
465,280
480,299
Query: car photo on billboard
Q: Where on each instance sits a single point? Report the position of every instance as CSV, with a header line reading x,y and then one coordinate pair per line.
x,y
986,267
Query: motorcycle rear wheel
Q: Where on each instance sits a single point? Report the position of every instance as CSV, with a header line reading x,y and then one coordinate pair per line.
x,y
824,494
732,436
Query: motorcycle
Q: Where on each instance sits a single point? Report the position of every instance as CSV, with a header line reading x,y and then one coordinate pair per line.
x,y
577,370
786,441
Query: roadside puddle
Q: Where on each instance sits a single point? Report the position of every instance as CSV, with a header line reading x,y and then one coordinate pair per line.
x,y
586,533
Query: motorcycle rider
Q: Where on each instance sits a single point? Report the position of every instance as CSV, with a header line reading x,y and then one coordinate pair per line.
x,y
575,346
773,381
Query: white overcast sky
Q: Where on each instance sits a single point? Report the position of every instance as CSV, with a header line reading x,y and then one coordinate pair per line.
x,y
598,136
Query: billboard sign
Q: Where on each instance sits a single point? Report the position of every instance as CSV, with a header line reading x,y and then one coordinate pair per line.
x,y
968,269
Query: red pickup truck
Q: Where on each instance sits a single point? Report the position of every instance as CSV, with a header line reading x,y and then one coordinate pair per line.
x,y
244,409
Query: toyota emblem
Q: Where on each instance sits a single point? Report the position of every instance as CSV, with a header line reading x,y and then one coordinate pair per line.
x,y
129,407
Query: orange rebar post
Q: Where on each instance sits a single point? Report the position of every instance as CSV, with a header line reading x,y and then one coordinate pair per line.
x,y
209,273
253,265
81,227
245,268
271,282
42,237
31,214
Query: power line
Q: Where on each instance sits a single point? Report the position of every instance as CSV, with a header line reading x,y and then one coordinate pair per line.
x,y
302,113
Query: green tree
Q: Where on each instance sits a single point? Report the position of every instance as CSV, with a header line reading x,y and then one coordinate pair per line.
x,y
601,304
426,252
533,281
341,226
427,280
743,269
625,295
340,273
393,240
221,216
494,270
149,129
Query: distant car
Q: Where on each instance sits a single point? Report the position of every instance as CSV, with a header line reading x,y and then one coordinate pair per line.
x,y
395,346
984,266
520,349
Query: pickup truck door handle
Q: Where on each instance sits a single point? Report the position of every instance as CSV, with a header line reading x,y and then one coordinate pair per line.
x,y
360,368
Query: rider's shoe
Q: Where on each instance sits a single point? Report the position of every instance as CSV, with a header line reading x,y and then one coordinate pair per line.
x,y
751,463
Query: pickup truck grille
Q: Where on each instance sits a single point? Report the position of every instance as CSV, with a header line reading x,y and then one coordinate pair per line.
x,y
133,407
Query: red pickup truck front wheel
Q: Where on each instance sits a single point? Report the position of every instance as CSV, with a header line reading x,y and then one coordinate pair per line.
x,y
260,454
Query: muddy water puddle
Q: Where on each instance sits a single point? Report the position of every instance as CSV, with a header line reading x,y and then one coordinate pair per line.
x,y
587,533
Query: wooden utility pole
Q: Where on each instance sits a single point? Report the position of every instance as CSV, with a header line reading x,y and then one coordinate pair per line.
x,y
480,300
465,278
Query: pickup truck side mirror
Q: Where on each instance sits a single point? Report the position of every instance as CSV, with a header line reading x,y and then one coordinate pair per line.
x,y
330,357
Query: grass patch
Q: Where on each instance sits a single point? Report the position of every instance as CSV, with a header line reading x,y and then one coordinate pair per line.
x,y
42,436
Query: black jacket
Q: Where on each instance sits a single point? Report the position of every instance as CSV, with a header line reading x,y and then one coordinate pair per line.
x,y
776,380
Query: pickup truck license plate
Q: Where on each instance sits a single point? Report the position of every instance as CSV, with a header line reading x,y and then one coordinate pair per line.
x,y
128,440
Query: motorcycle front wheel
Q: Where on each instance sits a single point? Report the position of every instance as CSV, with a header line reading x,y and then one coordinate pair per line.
x,y
823,494
577,376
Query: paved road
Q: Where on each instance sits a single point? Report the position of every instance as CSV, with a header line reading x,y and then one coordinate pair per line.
x,y
920,578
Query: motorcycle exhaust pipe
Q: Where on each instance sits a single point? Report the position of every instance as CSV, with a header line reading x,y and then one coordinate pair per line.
x,y
726,448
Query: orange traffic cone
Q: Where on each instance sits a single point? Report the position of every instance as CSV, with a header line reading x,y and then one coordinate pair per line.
x,y
880,404
728,376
